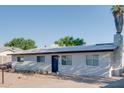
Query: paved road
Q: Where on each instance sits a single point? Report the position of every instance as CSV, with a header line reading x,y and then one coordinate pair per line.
x,y
115,84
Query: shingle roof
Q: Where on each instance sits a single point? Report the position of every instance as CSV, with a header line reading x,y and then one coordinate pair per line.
x,y
2,49
74,49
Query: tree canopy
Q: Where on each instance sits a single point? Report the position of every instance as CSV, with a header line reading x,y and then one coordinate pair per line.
x,y
70,41
21,43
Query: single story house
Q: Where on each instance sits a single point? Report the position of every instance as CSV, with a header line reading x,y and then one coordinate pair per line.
x,y
4,51
103,60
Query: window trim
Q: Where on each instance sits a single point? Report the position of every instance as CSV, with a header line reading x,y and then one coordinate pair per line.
x,y
20,57
92,63
40,59
66,61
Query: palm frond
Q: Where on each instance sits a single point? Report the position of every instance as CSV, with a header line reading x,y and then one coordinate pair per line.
x,y
117,8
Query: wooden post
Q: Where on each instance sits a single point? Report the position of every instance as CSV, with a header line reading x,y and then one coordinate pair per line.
x,y
2,75
2,59
3,68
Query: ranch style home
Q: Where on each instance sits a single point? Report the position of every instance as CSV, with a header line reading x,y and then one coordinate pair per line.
x,y
105,60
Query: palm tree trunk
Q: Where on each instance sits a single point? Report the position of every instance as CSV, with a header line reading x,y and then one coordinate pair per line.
x,y
119,22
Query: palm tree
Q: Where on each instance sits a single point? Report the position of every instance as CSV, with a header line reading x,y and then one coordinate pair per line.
x,y
117,11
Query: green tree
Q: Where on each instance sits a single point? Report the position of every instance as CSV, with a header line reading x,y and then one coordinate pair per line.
x,y
70,41
21,43
117,11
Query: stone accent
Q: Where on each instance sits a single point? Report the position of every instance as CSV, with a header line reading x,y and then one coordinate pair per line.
x,y
117,64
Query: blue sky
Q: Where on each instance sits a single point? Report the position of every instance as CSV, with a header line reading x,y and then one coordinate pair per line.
x,y
45,24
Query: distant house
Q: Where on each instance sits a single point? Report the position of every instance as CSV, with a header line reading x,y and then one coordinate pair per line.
x,y
103,60
4,51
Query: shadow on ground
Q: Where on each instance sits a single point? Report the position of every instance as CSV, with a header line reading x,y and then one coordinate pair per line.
x,y
107,82
115,84
86,79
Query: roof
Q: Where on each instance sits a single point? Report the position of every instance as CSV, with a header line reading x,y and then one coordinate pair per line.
x,y
71,49
2,49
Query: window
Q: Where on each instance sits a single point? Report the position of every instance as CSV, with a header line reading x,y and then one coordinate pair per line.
x,y
67,60
92,60
20,59
40,58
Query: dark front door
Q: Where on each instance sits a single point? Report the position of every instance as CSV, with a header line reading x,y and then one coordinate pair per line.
x,y
55,59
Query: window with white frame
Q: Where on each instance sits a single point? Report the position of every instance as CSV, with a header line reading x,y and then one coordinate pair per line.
x,y
66,60
41,59
20,59
92,60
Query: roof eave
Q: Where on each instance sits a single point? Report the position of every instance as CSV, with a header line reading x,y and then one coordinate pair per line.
x,y
107,50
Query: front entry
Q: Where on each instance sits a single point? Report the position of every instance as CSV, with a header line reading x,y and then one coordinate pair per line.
x,y
55,59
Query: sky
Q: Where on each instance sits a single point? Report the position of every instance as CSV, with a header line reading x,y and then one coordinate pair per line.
x,y
46,24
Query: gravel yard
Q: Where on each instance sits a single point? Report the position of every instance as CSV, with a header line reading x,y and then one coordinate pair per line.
x,y
21,80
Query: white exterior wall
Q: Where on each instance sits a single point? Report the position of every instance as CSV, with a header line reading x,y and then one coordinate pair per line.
x,y
123,60
30,63
5,53
4,58
78,66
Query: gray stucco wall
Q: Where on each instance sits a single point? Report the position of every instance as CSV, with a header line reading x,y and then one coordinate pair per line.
x,y
78,66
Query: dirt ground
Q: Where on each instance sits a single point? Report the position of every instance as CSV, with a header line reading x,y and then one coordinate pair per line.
x,y
21,80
